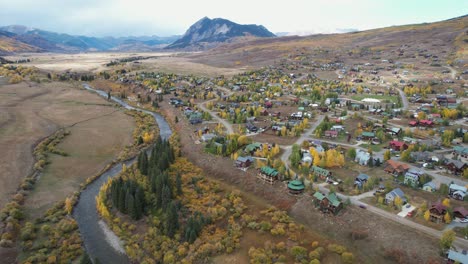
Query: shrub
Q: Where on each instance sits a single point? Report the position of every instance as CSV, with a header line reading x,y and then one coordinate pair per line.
x,y
336,248
347,257
298,252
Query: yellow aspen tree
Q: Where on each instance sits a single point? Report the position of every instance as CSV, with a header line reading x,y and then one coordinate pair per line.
x,y
68,205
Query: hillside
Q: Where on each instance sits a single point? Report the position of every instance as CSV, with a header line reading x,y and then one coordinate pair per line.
x,y
206,32
445,38
18,38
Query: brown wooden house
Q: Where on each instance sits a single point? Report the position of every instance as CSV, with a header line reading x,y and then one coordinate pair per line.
x,y
437,212
396,168
327,203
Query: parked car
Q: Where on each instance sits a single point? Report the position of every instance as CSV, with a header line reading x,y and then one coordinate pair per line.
x,y
362,206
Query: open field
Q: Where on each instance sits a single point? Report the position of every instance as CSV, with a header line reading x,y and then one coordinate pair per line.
x,y
33,112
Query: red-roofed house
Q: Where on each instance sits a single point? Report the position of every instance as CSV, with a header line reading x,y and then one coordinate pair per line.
x,y
460,212
398,145
426,123
434,116
437,212
396,168
413,123
331,133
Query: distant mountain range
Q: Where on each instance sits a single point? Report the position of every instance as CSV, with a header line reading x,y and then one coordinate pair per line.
x,y
17,38
209,32
203,34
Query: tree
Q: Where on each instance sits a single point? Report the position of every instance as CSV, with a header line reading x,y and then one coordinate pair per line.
x,y
446,202
387,155
351,153
427,215
68,205
179,184
177,119
85,259
447,218
443,189
398,201
447,239
172,220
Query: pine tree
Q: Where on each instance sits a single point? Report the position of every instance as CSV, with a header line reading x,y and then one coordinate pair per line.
x,y
85,259
131,207
179,184
172,220
165,198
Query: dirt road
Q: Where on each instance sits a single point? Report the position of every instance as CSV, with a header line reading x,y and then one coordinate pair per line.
x,y
225,123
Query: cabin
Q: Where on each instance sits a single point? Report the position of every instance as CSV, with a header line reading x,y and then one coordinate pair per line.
x,y
413,123
426,123
398,145
319,172
396,168
251,148
327,203
362,157
411,179
394,131
268,174
461,151
437,212
296,187
244,162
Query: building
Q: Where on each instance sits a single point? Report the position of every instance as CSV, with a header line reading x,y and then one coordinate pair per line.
x,y
367,135
327,203
331,133
207,137
360,180
429,187
244,162
319,172
461,151
437,212
460,212
398,145
457,257
251,148
268,174
296,187
456,167
396,168
362,157
457,192
411,179
391,196
306,158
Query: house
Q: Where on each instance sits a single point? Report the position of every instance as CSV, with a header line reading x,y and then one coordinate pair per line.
x,y
457,192
426,123
461,151
296,187
244,162
394,131
421,156
413,123
327,203
456,167
251,148
411,179
268,104
268,174
337,128
396,168
331,133
398,145
409,140
307,158
360,180
367,135
437,212
430,143
391,196
457,257
429,187
322,173
362,157
460,212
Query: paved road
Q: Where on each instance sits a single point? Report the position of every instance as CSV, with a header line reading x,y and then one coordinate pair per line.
x,y
404,99
304,136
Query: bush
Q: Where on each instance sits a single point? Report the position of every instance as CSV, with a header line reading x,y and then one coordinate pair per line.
x,y
6,243
336,248
347,257
314,261
299,253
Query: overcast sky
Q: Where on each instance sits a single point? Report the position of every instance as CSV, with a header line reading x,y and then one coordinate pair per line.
x,y
170,17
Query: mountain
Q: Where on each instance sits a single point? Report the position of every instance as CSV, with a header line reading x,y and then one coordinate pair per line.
x,y
210,31
17,38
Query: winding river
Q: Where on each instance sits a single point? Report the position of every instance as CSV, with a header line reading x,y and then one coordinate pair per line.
x,y
99,241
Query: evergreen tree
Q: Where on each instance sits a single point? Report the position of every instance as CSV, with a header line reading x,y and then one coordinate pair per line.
x,y
85,259
131,207
179,184
165,198
172,220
